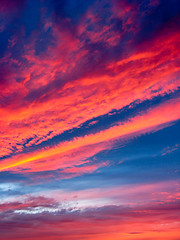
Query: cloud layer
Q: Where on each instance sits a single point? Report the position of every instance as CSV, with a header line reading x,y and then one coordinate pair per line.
x,y
89,106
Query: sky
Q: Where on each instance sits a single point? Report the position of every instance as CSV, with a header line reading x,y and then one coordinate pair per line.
x,y
89,119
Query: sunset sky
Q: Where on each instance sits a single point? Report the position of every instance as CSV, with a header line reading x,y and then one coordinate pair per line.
x,y
89,119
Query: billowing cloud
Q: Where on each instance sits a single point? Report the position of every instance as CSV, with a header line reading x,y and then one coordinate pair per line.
x,y
89,100
52,217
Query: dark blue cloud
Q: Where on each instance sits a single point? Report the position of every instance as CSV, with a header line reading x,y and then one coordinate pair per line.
x,y
69,9
158,18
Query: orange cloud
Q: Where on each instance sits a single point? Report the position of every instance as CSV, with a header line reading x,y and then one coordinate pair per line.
x,y
60,156
53,108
